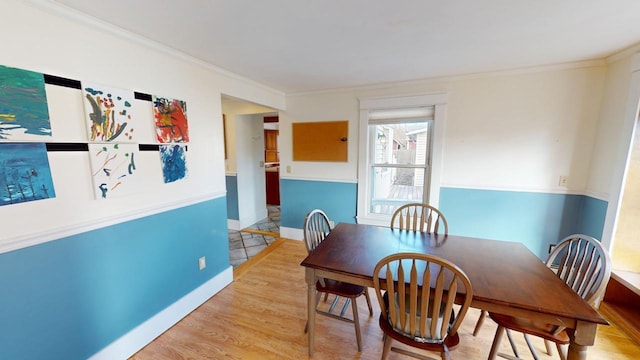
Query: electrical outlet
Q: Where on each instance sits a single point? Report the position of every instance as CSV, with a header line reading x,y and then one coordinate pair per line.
x,y
331,224
564,180
202,263
288,169
551,247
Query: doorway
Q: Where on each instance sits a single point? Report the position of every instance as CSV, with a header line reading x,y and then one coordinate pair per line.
x,y
254,222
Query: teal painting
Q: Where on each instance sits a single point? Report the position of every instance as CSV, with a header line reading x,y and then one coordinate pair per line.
x,y
24,173
24,114
174,164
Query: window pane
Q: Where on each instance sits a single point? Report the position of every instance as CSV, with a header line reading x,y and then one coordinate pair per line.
x,y
394,187
401,143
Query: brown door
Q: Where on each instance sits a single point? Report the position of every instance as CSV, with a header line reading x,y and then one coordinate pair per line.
x,y
271,146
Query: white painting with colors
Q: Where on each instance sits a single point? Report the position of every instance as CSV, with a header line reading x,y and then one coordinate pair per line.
x,y
109,113
114,170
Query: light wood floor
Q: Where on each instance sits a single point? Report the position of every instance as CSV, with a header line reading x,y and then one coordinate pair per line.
x,y
262,315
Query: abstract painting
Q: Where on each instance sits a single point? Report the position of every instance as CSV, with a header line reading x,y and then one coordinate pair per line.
x,y
171,120
108,113
24,173
173,158
113,168
24,114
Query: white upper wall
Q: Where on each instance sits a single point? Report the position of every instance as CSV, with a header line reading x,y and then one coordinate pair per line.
x,y
612,144
615,132
58,43
508,131
232,109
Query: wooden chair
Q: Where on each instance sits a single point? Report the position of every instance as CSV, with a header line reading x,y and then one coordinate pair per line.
x,y
420,316
581,262
419,217
316,229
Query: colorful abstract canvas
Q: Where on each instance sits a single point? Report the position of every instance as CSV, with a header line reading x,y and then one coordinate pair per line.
x,y
171,120
174,165
24,114
108,113
24,173
113,168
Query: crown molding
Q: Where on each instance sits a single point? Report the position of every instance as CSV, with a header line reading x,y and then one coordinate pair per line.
x,y
624,53
463,77
55,8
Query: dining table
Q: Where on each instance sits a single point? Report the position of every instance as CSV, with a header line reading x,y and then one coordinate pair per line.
x,y
506,277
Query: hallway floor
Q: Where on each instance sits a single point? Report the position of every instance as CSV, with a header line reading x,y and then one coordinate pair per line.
x,y
248,242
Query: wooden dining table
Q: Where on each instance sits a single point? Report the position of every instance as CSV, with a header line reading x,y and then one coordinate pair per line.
x,y
506,277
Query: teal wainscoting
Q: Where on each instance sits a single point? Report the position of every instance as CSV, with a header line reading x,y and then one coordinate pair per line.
x,y
232,197
69,298
534,219
592,220
298,197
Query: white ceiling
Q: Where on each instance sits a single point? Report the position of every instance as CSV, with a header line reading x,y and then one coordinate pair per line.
x,y
307,45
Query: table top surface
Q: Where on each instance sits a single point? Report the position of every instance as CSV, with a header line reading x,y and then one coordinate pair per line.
x,y
501,272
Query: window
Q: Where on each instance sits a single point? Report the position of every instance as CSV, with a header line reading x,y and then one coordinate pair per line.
x,y
400,165
399,157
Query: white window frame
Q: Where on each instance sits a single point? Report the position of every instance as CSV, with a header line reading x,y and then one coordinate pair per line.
x,y
439,104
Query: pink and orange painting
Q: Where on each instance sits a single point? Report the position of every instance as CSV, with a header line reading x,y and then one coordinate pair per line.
x,y
171,120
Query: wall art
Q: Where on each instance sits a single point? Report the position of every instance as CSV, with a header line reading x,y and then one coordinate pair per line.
x,y
24,114
171,120
108,113
174,165
24,173
114,169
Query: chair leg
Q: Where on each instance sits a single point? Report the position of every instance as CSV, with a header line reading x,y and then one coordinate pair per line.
x,y
386,348
496,343
356,323
483,314
514,348
333,304
346,304
366,296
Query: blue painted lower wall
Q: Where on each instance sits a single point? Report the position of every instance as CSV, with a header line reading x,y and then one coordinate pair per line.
x,y
69,298
534,219
233,211
592,220
297,197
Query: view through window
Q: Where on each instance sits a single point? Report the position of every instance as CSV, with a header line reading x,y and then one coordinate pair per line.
x,y
399,163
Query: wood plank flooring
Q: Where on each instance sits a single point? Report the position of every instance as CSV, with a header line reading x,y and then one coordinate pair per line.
x,y
262,315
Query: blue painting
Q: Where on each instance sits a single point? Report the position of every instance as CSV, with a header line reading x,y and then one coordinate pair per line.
x,y
24,173
174,164
24,114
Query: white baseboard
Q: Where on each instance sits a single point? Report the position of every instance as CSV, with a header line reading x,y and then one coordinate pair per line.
x,y
291,233
247,220
143,334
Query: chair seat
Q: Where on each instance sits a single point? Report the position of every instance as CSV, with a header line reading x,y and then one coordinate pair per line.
x,y
545,331
450,341
340,288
